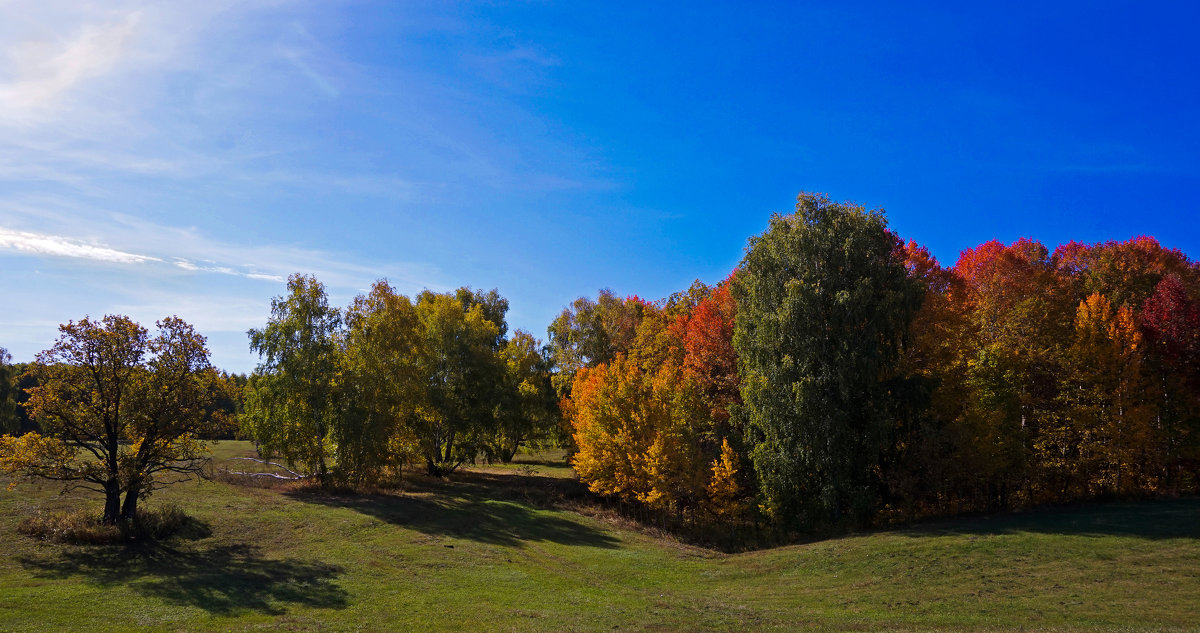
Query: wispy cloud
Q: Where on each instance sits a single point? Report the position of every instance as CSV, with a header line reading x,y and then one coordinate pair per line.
x,y
58,246
70,228
45,245
226,270
42,71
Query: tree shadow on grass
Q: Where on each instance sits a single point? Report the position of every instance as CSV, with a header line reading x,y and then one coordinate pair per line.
x,y
494,509
1151,519
221,580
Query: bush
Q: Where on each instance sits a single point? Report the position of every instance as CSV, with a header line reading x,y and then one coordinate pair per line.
x,y
84,527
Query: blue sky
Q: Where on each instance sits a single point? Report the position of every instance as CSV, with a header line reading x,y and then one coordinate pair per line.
x,y
185,157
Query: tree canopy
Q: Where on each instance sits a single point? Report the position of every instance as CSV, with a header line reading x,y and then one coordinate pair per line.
x,y
823,302
8,396
352,396
121,412
291,408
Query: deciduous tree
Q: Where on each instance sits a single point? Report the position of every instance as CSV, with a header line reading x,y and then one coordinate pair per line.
x,y
120,412
383,386
291,409
822,304
526,408
592,332
8,395
464,377
637,433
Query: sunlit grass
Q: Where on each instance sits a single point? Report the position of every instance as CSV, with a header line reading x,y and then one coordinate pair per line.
x,y
495,548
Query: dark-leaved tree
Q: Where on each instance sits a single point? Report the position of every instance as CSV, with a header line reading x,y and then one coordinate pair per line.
x,y
823,300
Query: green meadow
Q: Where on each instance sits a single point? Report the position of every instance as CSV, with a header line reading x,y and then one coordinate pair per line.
x,y
521,548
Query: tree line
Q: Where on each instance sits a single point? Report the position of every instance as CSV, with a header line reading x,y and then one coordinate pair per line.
x,y
838,376
841,375
352,396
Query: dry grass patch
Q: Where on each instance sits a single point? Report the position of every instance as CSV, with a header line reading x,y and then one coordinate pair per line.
x,y
84,527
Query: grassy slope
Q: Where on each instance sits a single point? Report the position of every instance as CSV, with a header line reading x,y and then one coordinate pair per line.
x,y
450,556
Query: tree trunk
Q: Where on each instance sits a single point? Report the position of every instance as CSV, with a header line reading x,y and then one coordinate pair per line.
x,y
112,501
322,469
129,509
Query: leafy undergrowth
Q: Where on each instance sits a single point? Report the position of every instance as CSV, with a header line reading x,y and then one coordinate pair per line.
x,y
500,549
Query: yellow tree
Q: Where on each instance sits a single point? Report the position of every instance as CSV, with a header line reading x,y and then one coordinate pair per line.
x,y
1104,442
382,384
638,433
120,411
725,496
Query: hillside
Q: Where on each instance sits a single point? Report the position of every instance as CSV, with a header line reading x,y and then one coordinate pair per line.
x,y
483,551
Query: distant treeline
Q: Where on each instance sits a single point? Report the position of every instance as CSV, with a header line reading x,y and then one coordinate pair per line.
x,y
16,379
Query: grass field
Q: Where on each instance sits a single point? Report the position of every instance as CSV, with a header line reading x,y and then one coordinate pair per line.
x,y
487,551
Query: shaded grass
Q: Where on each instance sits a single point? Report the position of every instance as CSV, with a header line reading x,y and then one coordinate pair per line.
x,y
498,549
224,579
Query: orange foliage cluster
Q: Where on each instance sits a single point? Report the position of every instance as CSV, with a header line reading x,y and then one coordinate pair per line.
x,y
652,424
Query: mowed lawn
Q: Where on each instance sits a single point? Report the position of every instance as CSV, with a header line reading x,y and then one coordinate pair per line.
x,y
484,551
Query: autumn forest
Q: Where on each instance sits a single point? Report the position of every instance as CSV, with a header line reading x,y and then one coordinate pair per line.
x,y
839,377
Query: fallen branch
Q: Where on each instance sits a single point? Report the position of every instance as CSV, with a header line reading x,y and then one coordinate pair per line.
x,y
295,474
277,476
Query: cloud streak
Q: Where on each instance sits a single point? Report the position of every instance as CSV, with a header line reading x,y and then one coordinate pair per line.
x,y
45,245
58,246
226,270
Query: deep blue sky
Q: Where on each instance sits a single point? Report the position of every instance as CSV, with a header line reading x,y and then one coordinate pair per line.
x,y
183,158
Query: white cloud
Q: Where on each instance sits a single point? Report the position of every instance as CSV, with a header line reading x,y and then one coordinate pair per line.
x,y
58,246
227,270
264,277
123,238
283,260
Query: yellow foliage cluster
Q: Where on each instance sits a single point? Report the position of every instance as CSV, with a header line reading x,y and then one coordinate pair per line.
x,y
636,433
34,453
724,493
1105,434
646,436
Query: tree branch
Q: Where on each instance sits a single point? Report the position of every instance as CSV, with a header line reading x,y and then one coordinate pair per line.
x,y
295,474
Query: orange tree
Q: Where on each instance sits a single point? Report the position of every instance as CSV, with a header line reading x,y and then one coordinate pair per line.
x,y
638,433
120,411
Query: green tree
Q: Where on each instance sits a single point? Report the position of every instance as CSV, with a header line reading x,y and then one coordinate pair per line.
x,y
464,376
290,400
384,385
592,332
526,408
8,394
823,300
121,412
